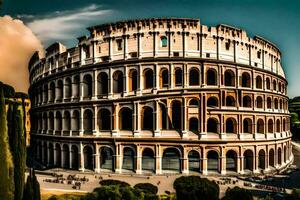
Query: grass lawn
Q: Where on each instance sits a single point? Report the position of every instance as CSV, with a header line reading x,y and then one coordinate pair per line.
x,y
46,194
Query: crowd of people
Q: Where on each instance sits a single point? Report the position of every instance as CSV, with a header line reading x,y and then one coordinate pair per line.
x,y
73,180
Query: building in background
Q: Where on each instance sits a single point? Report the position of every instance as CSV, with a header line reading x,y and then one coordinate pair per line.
x,y
160,96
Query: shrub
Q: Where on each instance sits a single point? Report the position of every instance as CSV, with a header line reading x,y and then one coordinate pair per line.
x,y
113,182
237,193
194,188
147,188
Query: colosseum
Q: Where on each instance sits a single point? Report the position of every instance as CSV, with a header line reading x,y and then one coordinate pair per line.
x,y
165,95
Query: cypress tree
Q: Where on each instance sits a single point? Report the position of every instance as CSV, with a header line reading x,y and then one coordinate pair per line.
x,y
18,151
32,187
6,167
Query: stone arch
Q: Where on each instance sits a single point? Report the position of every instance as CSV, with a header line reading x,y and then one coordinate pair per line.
x,y
212,102
231,125
278,126
88,153
176,114
194,124
260,126
211,77
274,85
194,77
164,77
148,160
147,117
213,160
75,121
59,90
106,158
165,121
67,121
259,102
248,160
269,103
128,159
58,121
171,159
231,161
68,88
104,119
102,87
194,102
76,86
58,155
284,124
247,101
45,93
87,83
51,155
194,161
229,78
272,157
125,119
268,83
178,77
51,121
118,86
247,125
270,126
52,92
258,82
45,122
285,154
148,78
246,80
276,103
279,154
212,125
133,80
74,157
88,118
230,101
66,156
261,159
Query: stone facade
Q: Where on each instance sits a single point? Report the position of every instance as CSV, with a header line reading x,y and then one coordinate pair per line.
x,y
160,96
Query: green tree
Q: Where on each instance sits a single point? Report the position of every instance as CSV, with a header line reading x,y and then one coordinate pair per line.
x,y
6,167
237,193
107,193
194,188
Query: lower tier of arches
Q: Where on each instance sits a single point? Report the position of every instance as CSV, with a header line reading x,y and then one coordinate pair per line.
x,y
165,157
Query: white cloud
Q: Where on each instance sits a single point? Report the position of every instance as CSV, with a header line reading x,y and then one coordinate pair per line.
x,y
65,25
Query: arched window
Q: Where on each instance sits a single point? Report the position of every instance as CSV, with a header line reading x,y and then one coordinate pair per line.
x,y
171,160
283,125
125,119
58,155
75,122
88,121
259,102
164,78
106,158
212,125
176,115
67,121
147,118
261,159
74,157
230,125
128,159
276,103
118,82
247,125
52,92
68,88
260,126
272,158
148,160
178,77
212,161
102,83
45,93
269,103
274,85
60,88
148,78
247,101
231,161
87,86
45,122
211,77
278,125
248,160
270,126
104,119
212,102
194,161
133,80
279,153
246,82
268,84
230,101
58,121
88,158
163,41
51,121
194,103
66,156
76,86
229,78
194,124
258,82
194,77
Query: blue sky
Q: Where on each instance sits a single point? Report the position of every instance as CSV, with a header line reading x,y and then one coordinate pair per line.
x,y
65,20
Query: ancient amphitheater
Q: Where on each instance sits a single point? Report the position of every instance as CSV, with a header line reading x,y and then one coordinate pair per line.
x,y
161,96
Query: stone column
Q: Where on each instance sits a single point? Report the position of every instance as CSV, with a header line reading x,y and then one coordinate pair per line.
x,y
158,159
81,157
70,156
185,162
115,131
184,121
97,159
118,159
204,161
95,86
81,128
156,113
223,161
138,160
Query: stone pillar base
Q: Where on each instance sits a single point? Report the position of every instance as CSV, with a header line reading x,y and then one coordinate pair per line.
x,y
157,133
115,133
